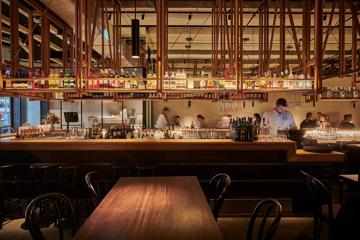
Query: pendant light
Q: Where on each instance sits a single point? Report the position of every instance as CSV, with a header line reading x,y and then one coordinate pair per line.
x,y
135,36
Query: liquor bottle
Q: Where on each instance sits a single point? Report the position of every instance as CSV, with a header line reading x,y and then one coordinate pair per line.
x,y
192,125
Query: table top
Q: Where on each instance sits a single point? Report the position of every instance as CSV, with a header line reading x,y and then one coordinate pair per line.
x,y
152,208
350,177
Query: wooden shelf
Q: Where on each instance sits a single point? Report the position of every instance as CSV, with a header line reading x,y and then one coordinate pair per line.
x,y
274,79
200,78
339,100
48,90
276,90
210,90
119,90
44,78
119,79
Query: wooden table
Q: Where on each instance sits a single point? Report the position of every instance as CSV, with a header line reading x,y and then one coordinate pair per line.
x,y
152,208
354,178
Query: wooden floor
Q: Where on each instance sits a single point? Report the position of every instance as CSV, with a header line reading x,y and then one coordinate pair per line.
x,y
291,228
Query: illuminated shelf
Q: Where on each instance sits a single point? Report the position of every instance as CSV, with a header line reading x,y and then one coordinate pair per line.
x,y
47,90
41,78
340,100
200,79
180,90
276,90
118,79
124,90
275,79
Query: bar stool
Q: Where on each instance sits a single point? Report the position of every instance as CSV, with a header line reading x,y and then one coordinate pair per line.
x,y
120,171
146,170
68,183
41,179
8,181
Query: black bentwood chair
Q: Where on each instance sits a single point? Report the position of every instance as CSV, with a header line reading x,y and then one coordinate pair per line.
x,y
266,207
321,202
216,191
58,210
97,186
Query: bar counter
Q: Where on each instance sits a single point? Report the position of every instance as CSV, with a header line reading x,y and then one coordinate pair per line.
x,y
271,169
289,147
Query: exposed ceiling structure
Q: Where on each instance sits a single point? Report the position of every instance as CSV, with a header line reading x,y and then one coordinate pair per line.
x,y
193,19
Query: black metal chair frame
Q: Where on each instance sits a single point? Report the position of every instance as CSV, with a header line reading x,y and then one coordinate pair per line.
x,y
221,183
318,195
271,205
58,201
4,202
95,195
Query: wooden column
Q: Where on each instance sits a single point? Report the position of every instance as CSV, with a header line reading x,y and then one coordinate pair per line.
x,y
65,47
318,46
342,37
306,31
354,49
45,44
282,36
30,40
14,36
161,43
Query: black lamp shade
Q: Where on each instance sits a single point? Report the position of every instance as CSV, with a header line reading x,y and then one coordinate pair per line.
x,y
135,38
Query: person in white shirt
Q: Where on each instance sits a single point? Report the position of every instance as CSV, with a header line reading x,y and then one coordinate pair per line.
x,y
278,118
163,119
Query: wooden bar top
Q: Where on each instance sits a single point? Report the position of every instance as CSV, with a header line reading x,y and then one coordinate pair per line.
x,y
142,144
152,208
302,156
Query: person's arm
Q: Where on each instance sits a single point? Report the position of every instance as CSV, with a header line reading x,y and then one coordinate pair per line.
x,y
161,122
292,122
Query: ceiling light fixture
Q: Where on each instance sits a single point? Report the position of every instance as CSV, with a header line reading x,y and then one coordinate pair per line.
x,y
135,36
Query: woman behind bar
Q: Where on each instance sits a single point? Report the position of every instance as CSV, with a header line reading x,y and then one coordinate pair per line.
x,y
323,121
163,119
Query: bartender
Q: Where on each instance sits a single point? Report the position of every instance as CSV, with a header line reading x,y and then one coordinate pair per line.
x,y
163,120
278,118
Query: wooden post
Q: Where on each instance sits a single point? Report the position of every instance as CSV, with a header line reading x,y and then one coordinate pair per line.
x,y
318,47
306,35
342,37
45,44
282,36
14,36
30,39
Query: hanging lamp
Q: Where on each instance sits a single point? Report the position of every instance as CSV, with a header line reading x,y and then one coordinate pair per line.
x,y
135,36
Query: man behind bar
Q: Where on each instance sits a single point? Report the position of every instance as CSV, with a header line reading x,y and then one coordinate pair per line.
x,y
278,118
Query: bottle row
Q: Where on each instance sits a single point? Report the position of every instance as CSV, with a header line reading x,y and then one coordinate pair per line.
x,y
244,129
340,93
278,84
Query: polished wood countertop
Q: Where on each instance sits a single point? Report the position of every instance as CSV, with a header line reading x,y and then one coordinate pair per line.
x,y
142,144
293,155
152,208
302,156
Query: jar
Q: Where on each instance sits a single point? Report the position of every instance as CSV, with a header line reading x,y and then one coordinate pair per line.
x,y
342,92
355,92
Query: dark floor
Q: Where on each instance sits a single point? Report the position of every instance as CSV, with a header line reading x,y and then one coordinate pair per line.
x,y
290,228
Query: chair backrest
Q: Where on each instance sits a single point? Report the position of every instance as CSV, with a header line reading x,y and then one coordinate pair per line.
x,y
317,192
266,208
56,203
97,186
216,190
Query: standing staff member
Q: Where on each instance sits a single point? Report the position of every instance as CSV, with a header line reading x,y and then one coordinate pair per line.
x,y
163,119
278,118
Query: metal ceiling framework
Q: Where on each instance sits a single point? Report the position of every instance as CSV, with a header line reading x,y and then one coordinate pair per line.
x,y
227,30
